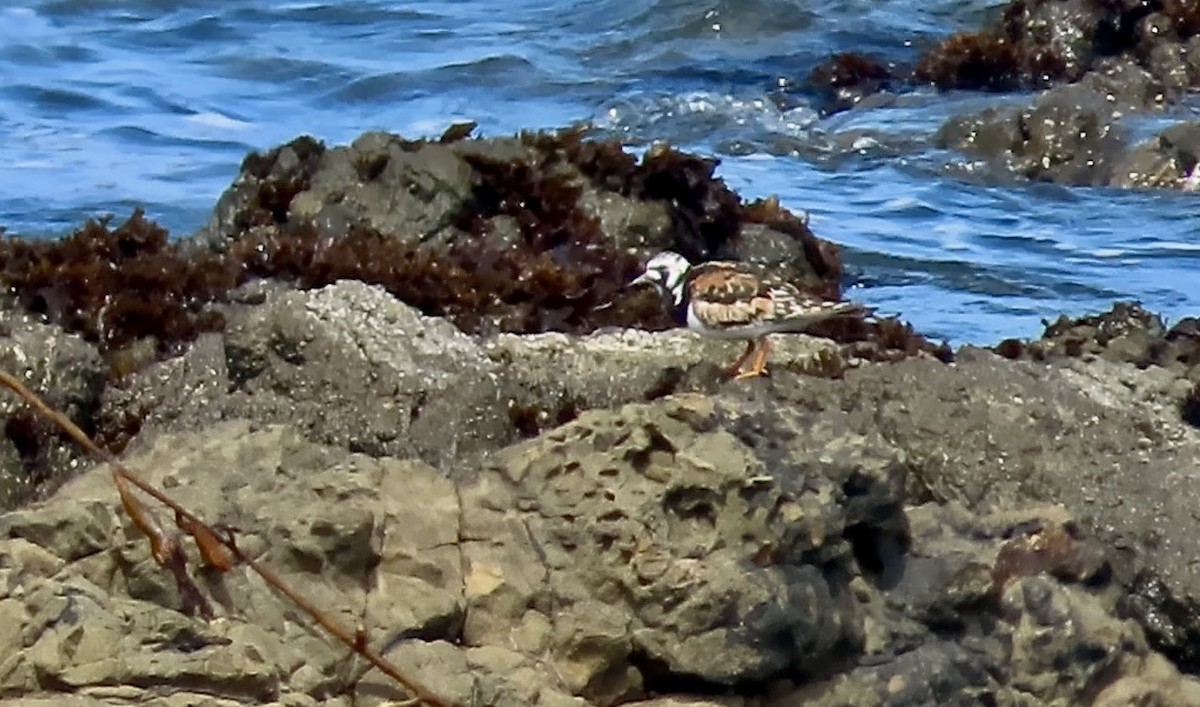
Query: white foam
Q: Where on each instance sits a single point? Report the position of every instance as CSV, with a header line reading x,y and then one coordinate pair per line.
x,y
217,120
1176,245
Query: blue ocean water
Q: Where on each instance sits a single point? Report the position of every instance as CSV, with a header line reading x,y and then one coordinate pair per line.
x,y
110,104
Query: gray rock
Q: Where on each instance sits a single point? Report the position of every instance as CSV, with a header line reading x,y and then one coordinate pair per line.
x,y
1168,62
404,190
703,540
909,534
349,364
379,179
400,382
768,247
663,537
91,611
1070,135
291,164
354,367
1166,161
627,222
1124,84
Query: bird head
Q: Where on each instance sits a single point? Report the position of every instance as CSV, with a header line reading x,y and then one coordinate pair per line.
x,y
665,271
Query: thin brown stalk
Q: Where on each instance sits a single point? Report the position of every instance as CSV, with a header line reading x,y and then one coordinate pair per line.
x,y
162,545
208,539
211,548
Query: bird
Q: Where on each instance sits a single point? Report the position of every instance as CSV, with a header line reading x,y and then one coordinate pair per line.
x,y
736,301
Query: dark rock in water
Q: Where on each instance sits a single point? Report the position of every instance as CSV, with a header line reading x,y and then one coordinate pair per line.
x,y
1120,57
1031,44
1126,85
1126,333
1069,136
847,78
1167,160
1099,62
1038,43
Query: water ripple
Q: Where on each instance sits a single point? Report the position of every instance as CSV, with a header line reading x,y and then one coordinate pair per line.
x,y
108,104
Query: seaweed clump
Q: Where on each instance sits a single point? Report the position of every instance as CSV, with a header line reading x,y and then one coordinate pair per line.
x,y
1035,43
707,217
531,260
847,78
483,290
884,339
705,214
279,175
528,258
977,60
118,285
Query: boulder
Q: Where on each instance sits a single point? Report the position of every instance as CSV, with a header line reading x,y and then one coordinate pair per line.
x,y
777,541
354,367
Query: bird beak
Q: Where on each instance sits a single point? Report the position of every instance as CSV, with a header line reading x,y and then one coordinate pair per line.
x,y
643,279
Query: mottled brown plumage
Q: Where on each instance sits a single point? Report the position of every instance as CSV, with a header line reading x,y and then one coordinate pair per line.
x,y
731,300
726,295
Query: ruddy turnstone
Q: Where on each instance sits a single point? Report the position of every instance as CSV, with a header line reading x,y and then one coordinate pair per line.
x,y
728,300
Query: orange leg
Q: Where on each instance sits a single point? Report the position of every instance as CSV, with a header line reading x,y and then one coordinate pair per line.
x,y
760,361
736,368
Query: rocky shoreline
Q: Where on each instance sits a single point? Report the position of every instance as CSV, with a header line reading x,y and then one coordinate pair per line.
x,y
1096,69
406,374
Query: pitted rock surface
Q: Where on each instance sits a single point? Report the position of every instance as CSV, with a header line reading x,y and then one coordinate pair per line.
x,y
354,367
667,540
698,549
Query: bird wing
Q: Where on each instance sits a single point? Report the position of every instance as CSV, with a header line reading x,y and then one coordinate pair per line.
x,y
728,295
724,295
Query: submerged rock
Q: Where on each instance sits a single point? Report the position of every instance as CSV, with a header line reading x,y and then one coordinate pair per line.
x,y
846,79
1070,135
1038,43
1094,63
1165,161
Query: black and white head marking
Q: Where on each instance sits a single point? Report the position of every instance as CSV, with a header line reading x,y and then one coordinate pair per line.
x,y
668,271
